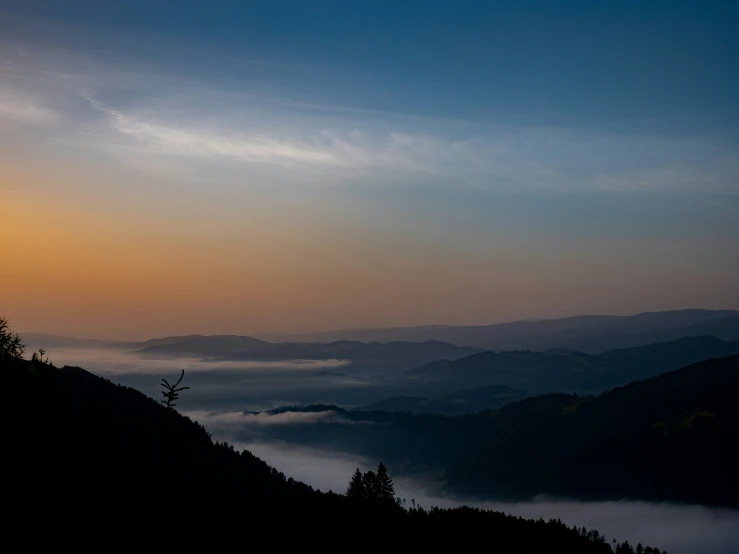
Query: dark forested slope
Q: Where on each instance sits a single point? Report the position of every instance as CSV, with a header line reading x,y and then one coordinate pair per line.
x,y
87,460
668,437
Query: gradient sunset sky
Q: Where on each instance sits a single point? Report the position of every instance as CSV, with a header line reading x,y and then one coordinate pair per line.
x,y
243,167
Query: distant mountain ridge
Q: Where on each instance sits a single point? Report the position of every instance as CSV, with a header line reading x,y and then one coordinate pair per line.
x,y
570,370
587,333
591,334
199,345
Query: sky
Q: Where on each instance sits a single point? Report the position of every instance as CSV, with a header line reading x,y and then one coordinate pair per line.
x,y
290,166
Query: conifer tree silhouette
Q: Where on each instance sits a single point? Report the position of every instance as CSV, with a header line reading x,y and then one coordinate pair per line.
x,y
356,487
172,392
369,480
385,487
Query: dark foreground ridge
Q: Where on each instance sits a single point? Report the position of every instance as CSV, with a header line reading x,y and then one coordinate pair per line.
x,y
95,459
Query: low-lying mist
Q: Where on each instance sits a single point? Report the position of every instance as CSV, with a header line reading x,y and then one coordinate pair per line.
x,y
679,529
231,385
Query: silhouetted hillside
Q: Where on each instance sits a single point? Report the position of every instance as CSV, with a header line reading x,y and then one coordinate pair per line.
x,y
93,429
670,437
567,370
87,457
667,437
196,345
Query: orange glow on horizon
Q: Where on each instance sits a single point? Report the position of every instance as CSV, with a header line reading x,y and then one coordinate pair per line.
x,y
177,264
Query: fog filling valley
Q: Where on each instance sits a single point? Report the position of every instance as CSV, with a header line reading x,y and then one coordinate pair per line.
x,y
220,391
679,529
223,386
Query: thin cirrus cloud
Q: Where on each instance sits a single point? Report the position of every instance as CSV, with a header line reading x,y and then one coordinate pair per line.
x,y
347,154
173,141
506,159
182,127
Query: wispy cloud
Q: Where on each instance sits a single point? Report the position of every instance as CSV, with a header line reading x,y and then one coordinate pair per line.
x,y
182,127
18,108
176,141
503,158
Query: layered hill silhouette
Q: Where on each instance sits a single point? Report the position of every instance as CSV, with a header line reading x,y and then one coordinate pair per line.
x,y
564,370
198,345
220,348
591,334
669,437
85,454
587,333
438,377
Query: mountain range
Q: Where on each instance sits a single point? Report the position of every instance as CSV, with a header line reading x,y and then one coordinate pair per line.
x,y
587,333
669,437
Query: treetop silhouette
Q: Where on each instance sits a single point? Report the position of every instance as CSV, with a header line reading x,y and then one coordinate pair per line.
x,y
356,487
11,345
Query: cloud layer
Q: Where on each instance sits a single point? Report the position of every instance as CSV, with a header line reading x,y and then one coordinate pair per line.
x,y
238,425
265,419
183,127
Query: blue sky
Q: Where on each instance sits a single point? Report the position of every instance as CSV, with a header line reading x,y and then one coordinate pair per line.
x,y
582,60
600,133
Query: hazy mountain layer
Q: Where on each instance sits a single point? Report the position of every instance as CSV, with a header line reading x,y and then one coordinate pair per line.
x,y
588,333
568,370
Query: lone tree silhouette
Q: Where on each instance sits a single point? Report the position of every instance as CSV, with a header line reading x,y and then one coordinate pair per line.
x,y
11,345
171,392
